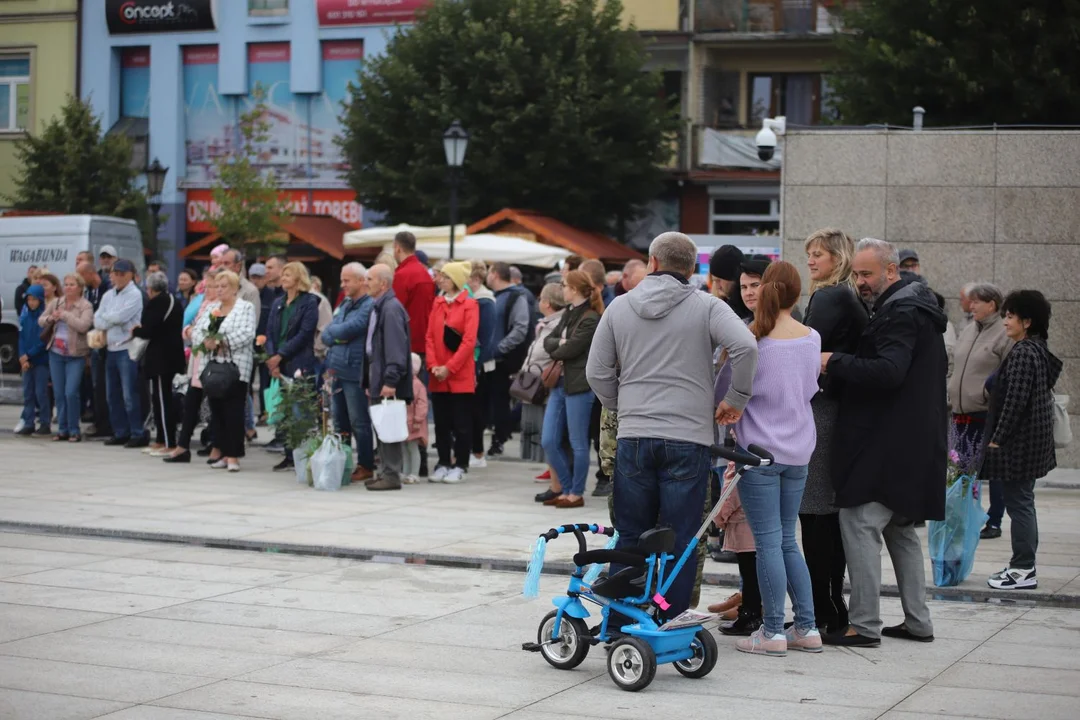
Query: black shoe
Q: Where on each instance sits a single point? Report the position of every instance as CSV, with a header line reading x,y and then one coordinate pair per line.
x,y
286,464
212,460
184,457
990,532
842,639
496,449
99,435
603,488
26,431
546,495
204,452
900,631
43,431
139,442
274,446
743,626
724,556
115,441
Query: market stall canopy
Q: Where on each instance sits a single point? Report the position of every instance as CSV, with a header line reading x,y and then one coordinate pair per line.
x,y
531,225
496,248
308,234
380,236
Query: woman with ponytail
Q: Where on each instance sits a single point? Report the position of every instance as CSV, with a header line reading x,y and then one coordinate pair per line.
x,y
779,419
569,407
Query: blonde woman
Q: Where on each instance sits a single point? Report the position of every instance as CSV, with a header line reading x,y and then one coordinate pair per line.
x,y
839,317
70,318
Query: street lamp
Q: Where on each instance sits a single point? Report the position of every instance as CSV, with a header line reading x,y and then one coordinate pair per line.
x,y
455,141
155,183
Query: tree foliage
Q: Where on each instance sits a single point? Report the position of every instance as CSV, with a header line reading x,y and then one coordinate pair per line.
x,y
250,208
562,118
968,62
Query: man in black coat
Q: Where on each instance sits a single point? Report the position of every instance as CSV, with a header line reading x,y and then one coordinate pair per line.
x,y
389,363
890,451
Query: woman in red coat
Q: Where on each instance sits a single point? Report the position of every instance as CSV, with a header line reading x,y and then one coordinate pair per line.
x,y
451,340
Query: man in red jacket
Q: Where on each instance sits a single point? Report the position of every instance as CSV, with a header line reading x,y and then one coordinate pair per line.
x,y
414,288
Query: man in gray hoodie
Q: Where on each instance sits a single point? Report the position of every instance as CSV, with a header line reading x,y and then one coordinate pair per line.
x,y
652,361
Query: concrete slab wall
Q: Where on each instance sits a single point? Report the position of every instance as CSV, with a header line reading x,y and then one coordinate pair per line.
x,y
979,205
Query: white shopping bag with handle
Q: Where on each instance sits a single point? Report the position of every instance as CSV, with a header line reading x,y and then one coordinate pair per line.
x,y
390,418
328,464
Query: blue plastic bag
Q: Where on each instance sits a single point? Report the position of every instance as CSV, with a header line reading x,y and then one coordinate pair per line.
x,y
272,399
953,541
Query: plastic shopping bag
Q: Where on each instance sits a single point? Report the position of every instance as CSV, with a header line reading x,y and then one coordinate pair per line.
x,y
390,418
328,463
301,460
272,399
350,464
953,541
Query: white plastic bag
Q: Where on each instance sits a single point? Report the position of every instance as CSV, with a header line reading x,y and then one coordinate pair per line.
x,y
300,461
328,464
1062,427
390,418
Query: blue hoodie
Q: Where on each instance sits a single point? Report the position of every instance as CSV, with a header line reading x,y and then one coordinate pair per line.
x,y
30,342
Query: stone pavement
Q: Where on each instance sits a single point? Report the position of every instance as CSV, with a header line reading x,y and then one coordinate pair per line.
x,y
489,521
121,630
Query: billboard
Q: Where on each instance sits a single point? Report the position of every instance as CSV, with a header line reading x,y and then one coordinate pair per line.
x,y
368,12
208,117
128,17
341,204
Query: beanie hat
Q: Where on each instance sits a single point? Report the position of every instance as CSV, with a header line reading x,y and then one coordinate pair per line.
x,y
726,263
459,272
756,264
37,291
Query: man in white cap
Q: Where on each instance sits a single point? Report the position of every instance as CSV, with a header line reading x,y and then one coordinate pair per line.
x,y
106,257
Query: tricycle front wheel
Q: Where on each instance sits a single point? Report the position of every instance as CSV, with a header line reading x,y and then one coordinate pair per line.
x,y
631,664
704,659
569,649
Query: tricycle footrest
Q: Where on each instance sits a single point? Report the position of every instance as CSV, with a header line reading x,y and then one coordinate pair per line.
x,y
531,647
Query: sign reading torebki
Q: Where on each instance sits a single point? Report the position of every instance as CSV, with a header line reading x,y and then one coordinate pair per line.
x,y
340,204
126,17
39,254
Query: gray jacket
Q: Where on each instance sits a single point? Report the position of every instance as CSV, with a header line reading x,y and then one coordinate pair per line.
x,y
388,354
651,360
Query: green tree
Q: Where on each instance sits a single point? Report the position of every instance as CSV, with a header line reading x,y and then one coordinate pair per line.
x,y
250,207
968,62
562,118
72,167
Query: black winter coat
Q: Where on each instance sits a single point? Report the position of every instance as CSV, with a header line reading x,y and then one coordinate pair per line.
x,y
163,328
390,359
839,317
891,440
1021,419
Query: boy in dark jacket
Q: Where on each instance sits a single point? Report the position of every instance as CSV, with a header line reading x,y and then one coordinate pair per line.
x,y
34,361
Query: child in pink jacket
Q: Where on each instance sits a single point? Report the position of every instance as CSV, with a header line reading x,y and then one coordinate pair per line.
x,y
418,427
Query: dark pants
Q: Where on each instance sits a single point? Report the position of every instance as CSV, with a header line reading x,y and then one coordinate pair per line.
x,y
164,415
662,483
227,421
264,384
751,592
1020,503
102,423
125,395
594,437
453,427
481,411
500,403
192,404
823,547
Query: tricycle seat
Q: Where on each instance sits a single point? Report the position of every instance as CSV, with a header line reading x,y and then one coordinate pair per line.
x,y
656,541
626,583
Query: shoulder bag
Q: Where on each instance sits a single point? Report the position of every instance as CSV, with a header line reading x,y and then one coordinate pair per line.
x,y
219,377
553,373
529,387
47,332
1062,426
138,346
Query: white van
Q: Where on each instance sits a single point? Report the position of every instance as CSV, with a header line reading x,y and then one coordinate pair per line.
x,y
53,241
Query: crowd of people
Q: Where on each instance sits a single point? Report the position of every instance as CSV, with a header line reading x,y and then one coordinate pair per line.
x,y
853,394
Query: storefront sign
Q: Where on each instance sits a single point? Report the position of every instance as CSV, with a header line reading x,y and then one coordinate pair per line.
x,y
341,204
126,17
368,12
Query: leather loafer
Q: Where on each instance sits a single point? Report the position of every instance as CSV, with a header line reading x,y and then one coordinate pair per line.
x,y
553,501
361,474
184,457
565,503
901,632
545,496
204,452
842,639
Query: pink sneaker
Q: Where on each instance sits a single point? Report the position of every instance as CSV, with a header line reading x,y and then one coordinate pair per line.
x,y
809,641
759,644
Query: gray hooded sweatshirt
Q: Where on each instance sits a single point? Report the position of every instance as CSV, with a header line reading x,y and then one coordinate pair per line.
x,y
652,360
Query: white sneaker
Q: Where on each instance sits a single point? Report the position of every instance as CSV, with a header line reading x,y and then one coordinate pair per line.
x,y
439,475
1014,579
233,467
219,465
454,476
478,462
20,425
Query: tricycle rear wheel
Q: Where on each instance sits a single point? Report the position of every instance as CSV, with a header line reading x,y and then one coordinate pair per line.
x,y
704,659
631,663
570,648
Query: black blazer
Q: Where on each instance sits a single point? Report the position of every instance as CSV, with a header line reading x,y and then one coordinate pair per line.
x,y
165,353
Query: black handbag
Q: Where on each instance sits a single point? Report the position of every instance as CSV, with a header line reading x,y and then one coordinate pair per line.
x,y
451,338
528,386
219,378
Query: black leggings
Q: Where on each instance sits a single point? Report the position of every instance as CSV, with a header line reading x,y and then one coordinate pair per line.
x,y
823,547
453,426
751,593
481,412
164,416
192,404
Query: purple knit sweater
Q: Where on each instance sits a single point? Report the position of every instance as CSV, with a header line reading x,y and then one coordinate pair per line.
x,y
778,416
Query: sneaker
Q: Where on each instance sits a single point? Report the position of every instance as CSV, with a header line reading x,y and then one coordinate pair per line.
x,y
410,480
454,476
759,644
478,462
233,467
20,426
1014,579
439,475
990,532
274,446
220,465
809,641
27,430
747,623
43,431
495,450
603,488
286,464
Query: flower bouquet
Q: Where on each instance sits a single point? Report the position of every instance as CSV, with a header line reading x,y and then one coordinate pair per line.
x,y
953,541
212,333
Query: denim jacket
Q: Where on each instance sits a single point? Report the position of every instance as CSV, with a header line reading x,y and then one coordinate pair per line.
x,y
345,338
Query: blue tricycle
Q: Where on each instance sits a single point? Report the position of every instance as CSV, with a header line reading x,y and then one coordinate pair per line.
x,y
635,592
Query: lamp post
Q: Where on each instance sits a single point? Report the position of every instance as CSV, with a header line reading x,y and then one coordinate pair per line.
x,y
155,183
455,141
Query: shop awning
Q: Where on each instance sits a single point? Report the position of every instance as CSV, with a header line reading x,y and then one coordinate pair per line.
x,y
531,225
496,248
322,233
380,236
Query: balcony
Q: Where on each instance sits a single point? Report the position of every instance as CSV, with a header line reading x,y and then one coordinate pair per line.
x,y
766,17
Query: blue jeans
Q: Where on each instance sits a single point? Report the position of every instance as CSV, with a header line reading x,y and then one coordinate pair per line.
x,y
122,384
351,414
662,483
568,412
35,388
67,375
771,497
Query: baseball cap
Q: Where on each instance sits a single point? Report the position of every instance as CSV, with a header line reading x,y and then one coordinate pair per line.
x,y
108,250
257,270
123,266
909,254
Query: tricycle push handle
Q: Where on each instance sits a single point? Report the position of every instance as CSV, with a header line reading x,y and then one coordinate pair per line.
x,y
755,457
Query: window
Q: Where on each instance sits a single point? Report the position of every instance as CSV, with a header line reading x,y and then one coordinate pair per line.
x,y
14,92
745,215
794,95
268,8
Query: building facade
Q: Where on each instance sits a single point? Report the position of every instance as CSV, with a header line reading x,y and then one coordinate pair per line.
x,y
38,60
176,77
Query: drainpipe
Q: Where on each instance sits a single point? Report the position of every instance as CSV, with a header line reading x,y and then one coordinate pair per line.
x,y
918,123
78,49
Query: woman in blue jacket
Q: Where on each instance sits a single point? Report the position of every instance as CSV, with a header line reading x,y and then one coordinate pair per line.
x,y
290,332
34,361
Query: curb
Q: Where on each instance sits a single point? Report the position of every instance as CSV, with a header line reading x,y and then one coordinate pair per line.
x,y
481,563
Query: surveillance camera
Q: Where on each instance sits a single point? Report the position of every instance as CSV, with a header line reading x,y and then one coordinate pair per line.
x,y
766,144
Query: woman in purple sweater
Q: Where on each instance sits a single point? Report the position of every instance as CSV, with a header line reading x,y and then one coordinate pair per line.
x,y
778,418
